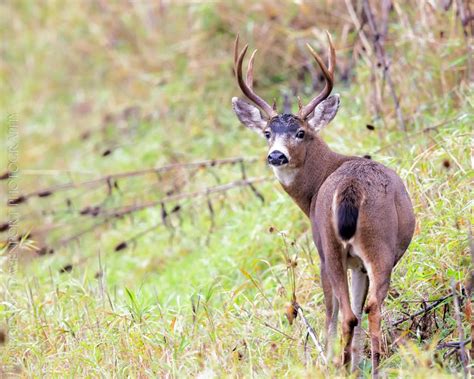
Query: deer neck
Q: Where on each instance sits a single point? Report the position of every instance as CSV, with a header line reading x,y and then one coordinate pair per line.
x,y
303,183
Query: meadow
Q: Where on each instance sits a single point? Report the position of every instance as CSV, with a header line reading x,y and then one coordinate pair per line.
x,y
142,233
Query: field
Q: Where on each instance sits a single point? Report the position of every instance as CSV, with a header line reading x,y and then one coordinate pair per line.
x,y
145,235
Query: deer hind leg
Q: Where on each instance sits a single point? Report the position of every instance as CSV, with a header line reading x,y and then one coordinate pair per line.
x,y
379,281
336,266
332,311
360,285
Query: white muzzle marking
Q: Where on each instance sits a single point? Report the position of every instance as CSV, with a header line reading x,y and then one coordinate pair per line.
x,y
279,144
284,174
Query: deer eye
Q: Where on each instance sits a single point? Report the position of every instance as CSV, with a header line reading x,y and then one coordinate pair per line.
x,y
300,134
267,134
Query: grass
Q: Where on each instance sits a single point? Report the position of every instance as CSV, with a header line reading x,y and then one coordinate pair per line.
x,y
206,295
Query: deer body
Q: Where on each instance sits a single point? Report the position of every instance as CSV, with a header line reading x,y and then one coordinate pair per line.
x,y
360,212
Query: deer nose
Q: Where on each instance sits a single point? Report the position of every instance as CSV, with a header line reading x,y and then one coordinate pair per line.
x,y
277,158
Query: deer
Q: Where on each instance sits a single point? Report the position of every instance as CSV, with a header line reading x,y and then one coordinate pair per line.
x,y
360,212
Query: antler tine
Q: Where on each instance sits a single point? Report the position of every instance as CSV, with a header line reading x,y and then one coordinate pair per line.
x,y
332,55
236,53
246,86
328,75
250,70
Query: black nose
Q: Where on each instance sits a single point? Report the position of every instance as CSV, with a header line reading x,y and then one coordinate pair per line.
x,y
277,158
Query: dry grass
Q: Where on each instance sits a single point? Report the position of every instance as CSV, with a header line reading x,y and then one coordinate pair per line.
x,y
101,88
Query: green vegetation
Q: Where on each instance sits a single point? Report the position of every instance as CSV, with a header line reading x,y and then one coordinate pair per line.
x,y
96,89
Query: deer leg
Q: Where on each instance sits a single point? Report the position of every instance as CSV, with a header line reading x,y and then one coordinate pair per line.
x,y
332,310
379,281
336,268
360,285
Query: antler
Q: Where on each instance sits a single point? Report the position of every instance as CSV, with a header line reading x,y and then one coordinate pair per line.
x,y
247,85
328,75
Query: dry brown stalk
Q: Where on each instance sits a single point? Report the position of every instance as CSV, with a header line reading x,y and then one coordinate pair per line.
x,y
462,343
466,19
469,291
106,179
425,310
120,212
382,58
311,331
109,215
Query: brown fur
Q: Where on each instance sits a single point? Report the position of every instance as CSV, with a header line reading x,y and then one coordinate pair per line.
x,y
376,215
384,230
322,180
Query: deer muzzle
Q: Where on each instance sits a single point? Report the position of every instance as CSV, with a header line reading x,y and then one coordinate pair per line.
x,y
277,158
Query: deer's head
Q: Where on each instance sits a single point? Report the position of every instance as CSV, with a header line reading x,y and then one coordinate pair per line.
x,y
289,136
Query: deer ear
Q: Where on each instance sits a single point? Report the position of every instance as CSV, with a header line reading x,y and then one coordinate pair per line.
x,y
324,112
248,115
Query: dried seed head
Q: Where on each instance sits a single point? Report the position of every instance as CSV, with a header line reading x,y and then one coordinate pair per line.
x,y
291,313
45,194
17,200
121,246
281,291
42,251
85,135
95,211
66,268
176,208
85,210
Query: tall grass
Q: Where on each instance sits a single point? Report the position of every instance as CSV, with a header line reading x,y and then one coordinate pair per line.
x,y
101,88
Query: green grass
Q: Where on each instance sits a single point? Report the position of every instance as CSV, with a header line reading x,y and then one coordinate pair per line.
x,y
207,295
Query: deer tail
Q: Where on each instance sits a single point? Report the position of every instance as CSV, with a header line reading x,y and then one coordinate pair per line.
x,y
348,200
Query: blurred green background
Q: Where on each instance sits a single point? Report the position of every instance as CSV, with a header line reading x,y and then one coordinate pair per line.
x,y
197,284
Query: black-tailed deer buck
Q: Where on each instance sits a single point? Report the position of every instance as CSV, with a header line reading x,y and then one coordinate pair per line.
x,y
360,212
